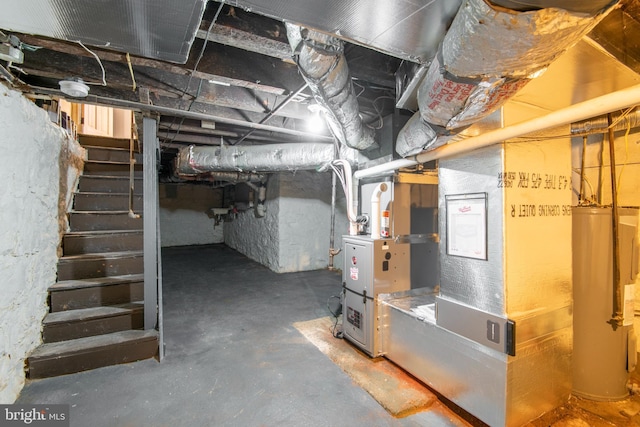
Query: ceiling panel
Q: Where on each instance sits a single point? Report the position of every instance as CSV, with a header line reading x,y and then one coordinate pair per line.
x,y
406,29
159,29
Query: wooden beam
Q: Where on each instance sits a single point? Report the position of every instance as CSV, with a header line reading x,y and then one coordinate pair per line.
x,y
219,63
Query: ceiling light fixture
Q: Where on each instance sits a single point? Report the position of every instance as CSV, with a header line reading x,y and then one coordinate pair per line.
x,y
315,122
219,83
74,87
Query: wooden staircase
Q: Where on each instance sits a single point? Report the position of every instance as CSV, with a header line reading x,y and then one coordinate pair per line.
x,y
97,304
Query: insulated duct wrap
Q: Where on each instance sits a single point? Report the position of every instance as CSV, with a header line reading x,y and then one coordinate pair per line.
x,y
323,65
194,160
474,75
601,124
416,136
229,177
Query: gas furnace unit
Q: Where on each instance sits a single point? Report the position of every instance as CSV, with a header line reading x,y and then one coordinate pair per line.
x,y
372,266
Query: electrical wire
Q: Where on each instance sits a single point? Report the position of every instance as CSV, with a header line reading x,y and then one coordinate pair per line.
x,y
362,88
334,329
591,201
133,77
104,74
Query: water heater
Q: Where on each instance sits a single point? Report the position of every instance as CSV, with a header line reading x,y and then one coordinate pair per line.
x,y
603,356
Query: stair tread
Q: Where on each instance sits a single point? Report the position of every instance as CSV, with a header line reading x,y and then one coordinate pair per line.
x,y
100,233
107,162
119,212
101,255
90,147
89,344
84,314
118,177
102,194
95,282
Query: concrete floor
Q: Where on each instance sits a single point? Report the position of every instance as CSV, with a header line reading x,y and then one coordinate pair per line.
x,y
233,357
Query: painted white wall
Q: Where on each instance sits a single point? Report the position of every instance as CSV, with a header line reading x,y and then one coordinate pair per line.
x,y
183,215
294,234
305,214
258,238
38,154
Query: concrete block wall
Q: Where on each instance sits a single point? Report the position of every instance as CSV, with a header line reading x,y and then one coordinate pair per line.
x,y
294,234
258,238
305,203
40,170
184,218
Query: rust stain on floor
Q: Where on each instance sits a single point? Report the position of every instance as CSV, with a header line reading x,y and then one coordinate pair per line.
x,y
398,392
402,395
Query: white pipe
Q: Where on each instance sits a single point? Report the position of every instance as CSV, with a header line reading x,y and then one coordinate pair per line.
x,y
375,209
385,168
351,213
581,111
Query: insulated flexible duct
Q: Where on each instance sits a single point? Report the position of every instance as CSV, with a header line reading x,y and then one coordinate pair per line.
x,y
195,160
323,65
488,55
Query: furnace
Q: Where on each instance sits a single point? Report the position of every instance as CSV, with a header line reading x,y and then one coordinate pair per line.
x,y
372,267
495,323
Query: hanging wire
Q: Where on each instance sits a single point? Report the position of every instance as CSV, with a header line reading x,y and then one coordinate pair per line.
x,y
133,77
361,87
104,75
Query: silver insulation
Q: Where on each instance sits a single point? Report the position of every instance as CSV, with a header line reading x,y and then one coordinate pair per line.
x,y
160,29
526,277
473,75
195,160
601,125
321,61
528,41
229,177
416,136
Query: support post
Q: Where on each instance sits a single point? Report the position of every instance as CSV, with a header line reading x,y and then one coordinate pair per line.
x,y
150,217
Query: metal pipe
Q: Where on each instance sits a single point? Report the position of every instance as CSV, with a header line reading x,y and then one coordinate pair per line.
x,y
349,179
333,220
274,111
580,111
582,166
139,106
601,172
617,317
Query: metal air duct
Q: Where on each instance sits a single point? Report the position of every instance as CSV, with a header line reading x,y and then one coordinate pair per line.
x,y
323,65
194,160
472,75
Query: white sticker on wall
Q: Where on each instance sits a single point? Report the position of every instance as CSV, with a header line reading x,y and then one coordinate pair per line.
x,y
629,304
354,273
